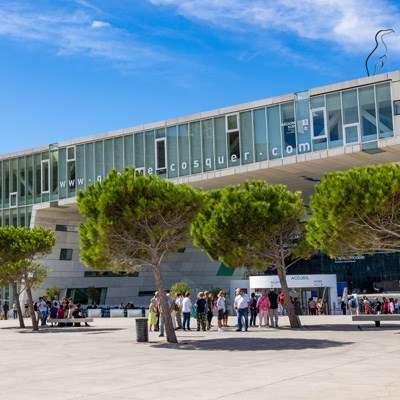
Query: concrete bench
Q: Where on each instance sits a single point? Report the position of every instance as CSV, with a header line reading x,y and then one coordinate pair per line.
x,y
75,321
376,318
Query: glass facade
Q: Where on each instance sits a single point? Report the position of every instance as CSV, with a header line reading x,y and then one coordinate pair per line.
x,y
361,115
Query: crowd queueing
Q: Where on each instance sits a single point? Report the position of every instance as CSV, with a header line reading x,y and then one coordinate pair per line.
x,y
262,310
56,309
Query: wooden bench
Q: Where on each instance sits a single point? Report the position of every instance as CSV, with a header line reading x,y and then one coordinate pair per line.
x,y
376,318
75,321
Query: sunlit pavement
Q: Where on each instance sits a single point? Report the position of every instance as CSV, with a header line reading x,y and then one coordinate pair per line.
x,y
330,357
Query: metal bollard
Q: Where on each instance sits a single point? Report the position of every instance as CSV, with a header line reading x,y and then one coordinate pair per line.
x,y
142,331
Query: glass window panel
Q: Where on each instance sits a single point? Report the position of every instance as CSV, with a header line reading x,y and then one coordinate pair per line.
x,y
288,125
274,132
150,162
366,97
246,138
89,164
161,158
99,161
351,134
14,175
232,122
80,166
334,116
220,143
208,146
318,123
385,117
38,177
395,103
29,179
160,133
195,147
14,217
7,217
71,153
350,107
54,174
319,144
139,149
6,180
317,102
303,126
1,186
233,148
172,152
45,176
108,156
183,145
119,154
128,151
260,135
62,168
71,171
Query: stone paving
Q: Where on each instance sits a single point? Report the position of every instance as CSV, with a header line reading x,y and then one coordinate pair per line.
x,y
329,358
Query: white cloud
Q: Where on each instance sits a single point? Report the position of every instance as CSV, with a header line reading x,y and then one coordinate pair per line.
x,y
100,24
351,24
76,32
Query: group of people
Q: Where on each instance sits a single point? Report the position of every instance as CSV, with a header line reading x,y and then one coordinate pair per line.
x,y
375,306
316,307
265,307
56,309
181,308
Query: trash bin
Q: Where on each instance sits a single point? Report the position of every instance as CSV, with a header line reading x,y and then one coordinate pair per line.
x,y
142,331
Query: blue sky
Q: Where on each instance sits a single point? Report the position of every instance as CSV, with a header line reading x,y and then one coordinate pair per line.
x,y
73,68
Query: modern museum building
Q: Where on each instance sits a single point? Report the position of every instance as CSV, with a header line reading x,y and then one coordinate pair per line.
x,y
292,139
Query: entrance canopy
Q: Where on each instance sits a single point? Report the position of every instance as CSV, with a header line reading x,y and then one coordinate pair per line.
x,y
298,281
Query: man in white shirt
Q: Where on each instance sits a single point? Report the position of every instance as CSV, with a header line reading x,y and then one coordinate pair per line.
x,y
242,301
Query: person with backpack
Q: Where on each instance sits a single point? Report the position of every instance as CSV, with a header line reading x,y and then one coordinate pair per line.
x,y
353,305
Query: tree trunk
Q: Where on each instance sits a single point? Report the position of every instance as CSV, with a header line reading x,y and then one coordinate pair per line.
x,y
35,321
169,328
293,318
18,304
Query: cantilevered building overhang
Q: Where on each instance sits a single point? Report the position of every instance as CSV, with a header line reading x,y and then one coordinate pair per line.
x,y
292,139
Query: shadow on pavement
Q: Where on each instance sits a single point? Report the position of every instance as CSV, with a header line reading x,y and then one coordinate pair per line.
x,y
71,329
253,344
350,327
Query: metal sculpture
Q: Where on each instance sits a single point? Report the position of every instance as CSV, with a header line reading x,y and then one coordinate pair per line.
x,y
382,59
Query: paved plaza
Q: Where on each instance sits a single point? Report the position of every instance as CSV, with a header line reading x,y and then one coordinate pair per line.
x,y
330,358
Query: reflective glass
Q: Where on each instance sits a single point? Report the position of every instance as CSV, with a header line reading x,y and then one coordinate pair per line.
x,y
29,179
246,138
54,174
384,104
183,145
128,151
1,186
195,147
119,154
21,182
288,125
274,132
99,160
139,149
220,143
233,148
260,135
160,155
351,134
38,178
80,166
334,116
62,170
318,123
303,126
89,164
350,107
150,153
208,145
172,152
366,97
108,156
317,102
232,122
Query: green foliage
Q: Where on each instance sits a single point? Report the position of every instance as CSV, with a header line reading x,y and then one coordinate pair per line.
x,y
18,248
179,287
253,226
133,221
357,211
52,291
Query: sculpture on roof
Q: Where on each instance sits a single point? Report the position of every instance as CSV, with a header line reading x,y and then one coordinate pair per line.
x,y
380,63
